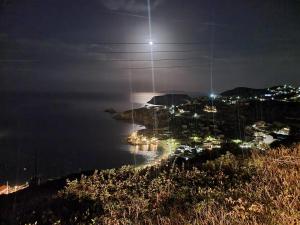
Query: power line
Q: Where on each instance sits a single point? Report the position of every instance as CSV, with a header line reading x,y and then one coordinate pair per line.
x,y
122,60
152,63
161,67
148,52
147,43
149,60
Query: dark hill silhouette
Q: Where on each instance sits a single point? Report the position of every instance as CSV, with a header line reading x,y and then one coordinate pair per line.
x,y
244,92
170,99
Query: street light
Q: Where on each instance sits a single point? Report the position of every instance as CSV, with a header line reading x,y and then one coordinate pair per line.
x,y
212,95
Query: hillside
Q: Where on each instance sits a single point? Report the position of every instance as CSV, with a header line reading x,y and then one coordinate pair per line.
x,y
170,99
260,189
244,92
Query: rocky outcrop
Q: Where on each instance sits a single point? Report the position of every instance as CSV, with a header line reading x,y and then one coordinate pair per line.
x,y
170,99
110,110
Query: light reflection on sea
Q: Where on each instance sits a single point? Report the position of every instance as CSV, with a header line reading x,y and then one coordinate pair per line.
x,y
62,135
149,152
143,97
65,134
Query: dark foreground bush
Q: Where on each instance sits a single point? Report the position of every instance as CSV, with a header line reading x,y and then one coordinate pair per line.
x,y
262,189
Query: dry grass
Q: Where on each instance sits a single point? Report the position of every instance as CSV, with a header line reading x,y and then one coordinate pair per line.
x,y
263,189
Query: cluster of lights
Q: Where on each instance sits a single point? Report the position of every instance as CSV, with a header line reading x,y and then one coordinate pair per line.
x,y
284,131
212,95
210,109
195,138
237,141
262,136
12,189
280,93
211,142
246,145
172,109
136,139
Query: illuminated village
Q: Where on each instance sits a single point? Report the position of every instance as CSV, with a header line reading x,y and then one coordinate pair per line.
x,y
7,189
213,123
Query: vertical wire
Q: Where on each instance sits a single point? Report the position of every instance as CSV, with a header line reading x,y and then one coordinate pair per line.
x,y
152,65
132,107
131,95
152,69
212,57
130,75
238,118
212,48
239,123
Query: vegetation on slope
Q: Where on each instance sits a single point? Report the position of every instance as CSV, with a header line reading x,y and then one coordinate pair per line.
x,y
261,189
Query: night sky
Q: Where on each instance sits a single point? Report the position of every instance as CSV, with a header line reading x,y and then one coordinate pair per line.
x,y
78,46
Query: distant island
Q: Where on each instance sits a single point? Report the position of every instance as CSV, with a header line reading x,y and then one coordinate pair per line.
x,y
244,92
110,110
170,99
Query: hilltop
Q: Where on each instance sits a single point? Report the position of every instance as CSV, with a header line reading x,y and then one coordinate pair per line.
x,y
244,92
170,99
279,92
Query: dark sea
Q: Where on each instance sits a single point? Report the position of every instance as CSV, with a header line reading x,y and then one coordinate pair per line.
x,y
61,134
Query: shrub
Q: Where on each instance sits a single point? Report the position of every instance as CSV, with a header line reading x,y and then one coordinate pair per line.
x,y
261,189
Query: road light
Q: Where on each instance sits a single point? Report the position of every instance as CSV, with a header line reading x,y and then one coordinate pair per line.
x,y
150,43
212,95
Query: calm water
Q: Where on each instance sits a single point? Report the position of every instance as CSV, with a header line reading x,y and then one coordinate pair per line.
x,y
67,134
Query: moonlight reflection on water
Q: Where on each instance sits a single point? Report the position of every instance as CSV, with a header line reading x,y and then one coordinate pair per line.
x,y
63,136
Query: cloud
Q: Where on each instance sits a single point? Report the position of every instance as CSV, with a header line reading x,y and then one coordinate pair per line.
x,y
132,6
